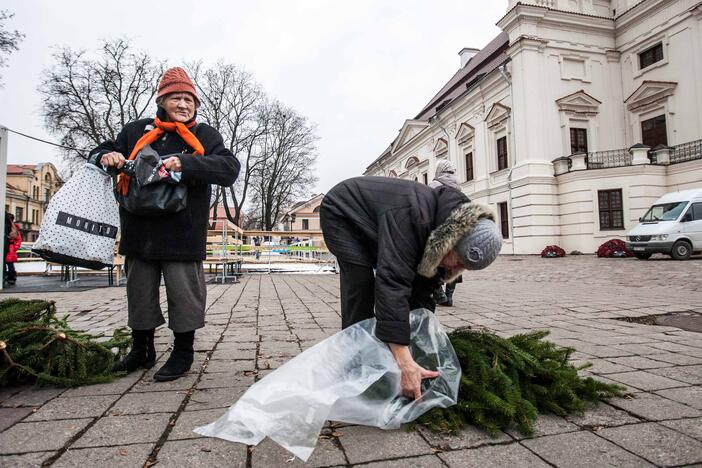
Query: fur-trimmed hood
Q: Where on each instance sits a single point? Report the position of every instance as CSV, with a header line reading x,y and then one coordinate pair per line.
x,y
459,222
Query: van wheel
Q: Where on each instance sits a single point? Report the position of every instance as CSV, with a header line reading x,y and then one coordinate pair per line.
x,y
642,256
681,250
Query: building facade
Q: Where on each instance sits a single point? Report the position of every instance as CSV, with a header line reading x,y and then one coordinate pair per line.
x,y
571,122
303,216
29,189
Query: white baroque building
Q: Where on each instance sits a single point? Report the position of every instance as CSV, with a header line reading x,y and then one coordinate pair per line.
x,y
571,122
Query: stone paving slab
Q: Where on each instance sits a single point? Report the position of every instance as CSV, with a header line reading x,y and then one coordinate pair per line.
x,y
10,416
259,324
658,444
120,430
655,408
202,453
356,441
67,408
119,456
40,436
152,402
497,456
582,449
468,437
270,454
691,427
27,460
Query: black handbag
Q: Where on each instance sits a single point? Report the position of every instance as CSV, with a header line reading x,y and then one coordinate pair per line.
x,y
152,191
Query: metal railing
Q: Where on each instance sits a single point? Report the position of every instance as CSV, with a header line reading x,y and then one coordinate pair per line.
x,y
686,152
683,152
610,158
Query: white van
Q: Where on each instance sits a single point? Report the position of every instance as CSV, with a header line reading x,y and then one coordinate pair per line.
x,y
673,226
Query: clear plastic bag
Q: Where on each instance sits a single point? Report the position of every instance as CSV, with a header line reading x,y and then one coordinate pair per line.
x,y
349,377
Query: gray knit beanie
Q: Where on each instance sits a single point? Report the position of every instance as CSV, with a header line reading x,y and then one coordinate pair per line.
x,y
479,248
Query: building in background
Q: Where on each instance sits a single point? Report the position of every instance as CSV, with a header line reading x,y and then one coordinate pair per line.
x,y
571,122
304,215
222,220
29,189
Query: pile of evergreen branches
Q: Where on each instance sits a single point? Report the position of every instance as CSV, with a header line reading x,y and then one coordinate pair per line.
x,y
507,382
38,347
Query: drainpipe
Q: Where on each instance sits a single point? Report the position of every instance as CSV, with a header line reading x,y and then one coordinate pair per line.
x,y
513,156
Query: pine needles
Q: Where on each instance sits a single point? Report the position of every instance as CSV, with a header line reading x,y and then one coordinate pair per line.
x,y
508,382
37,347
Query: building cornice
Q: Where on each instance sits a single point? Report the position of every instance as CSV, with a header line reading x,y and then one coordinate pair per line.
x,y
646,8
534,15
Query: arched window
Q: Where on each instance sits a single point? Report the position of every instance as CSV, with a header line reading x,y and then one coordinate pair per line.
x,y
316,209
392,174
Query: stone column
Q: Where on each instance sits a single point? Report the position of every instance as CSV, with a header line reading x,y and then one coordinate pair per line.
x,y
639,154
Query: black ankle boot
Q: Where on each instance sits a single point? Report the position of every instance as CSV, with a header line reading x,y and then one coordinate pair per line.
x,y
142,354
181,358
449,299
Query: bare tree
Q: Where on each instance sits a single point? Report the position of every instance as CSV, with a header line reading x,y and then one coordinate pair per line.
x,y
234,104
286,171
88,100
9,40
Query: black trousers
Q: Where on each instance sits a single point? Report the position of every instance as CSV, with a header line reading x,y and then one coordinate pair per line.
x,y
10,272
357,293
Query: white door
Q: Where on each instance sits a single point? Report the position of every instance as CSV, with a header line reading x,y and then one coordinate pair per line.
x,y
693,228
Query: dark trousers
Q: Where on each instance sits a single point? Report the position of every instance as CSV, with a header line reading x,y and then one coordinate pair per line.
x,y
185,291
357,293
10,272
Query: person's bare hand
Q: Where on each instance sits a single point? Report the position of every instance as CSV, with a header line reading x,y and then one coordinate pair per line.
x,y
113,159
412,373
173,164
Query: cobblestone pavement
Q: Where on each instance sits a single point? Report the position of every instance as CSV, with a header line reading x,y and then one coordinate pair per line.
x,y
260,323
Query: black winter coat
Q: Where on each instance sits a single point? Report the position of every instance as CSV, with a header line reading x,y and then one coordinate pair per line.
x,y
401,228
180,236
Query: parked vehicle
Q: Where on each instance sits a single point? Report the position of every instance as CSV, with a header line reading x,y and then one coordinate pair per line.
x,y
673,226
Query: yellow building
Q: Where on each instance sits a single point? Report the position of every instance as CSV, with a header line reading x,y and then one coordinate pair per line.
x,y
29,189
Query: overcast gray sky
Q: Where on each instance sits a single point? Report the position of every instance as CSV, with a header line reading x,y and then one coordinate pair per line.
x,y
357,69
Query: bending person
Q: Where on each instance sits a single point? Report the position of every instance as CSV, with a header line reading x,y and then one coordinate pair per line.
x,y
413,237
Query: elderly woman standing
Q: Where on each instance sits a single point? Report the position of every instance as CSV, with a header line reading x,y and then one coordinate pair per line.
x,y
172,244
445,176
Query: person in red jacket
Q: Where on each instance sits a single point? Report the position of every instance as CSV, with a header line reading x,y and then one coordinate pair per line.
x,y
14,243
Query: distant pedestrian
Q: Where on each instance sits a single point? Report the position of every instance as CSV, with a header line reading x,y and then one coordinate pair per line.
x,y
171,244
14,242
257,246
445,176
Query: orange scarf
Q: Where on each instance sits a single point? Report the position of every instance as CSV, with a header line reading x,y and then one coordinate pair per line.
x,y
181,129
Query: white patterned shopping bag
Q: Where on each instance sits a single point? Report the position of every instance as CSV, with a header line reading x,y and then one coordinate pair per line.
x,y
80,225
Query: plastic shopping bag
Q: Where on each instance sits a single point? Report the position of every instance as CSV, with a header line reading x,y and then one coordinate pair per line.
x,y
349,377
81,222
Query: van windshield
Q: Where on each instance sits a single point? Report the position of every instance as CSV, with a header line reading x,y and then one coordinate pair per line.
x,y
664,212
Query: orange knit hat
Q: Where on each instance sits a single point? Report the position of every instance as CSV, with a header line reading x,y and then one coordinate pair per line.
x,y
176,80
